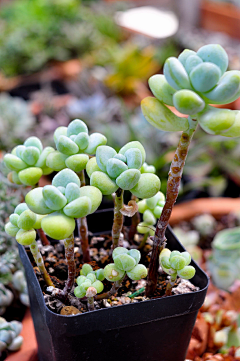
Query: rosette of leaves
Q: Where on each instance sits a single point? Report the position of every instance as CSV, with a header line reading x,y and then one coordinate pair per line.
x,y
175,264
62,202
22,225
224,264
74,145
89,284
190,83
10,337
110,170
151,209
27,162
125,262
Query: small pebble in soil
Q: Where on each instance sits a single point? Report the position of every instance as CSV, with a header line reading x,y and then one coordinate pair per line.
x,y
184,287
106,303
69,310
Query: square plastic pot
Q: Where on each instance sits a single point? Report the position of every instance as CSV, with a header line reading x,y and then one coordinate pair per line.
x,y
154,330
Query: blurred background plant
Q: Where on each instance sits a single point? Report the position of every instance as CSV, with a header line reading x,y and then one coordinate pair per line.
x,y
12,281
16,120
35,32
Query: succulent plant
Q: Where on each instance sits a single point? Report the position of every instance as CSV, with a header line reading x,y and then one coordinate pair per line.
x,y
6,298
10,264
111,170
190,83
204,224
125,262
74,146
27,162
151,209
115,172
63,201
22,225
89,284
175,264
224,264
16,121
9,335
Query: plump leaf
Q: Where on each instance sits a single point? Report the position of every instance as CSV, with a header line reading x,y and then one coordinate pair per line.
x,y
58,226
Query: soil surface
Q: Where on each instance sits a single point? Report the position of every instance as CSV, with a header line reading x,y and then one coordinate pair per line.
x,y
100,251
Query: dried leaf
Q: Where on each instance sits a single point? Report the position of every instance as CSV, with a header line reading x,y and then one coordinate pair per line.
x,y
130,209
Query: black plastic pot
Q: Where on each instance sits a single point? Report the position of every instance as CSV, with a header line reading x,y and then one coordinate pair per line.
x,y
154,330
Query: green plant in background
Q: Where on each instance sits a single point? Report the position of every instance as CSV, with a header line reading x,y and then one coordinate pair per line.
x,y
224,264
34,33
11,274
175,264
16,120
130,67
189,83
10,338
27,162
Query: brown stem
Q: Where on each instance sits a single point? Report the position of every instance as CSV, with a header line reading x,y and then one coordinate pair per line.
x,y
173,184
90,303
83,233
69,254
118,218
43,237
170,285
39,261
115,287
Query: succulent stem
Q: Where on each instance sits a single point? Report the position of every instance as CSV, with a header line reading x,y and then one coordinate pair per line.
x,y
83,233
135,221
83,226
39,261
91,292
69,254
118,218
43,237
81,176
173,184
90,303
170,285
115,287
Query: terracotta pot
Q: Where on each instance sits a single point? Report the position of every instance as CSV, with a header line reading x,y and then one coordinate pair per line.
x,y
218,207
216,16
55,71
28,351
